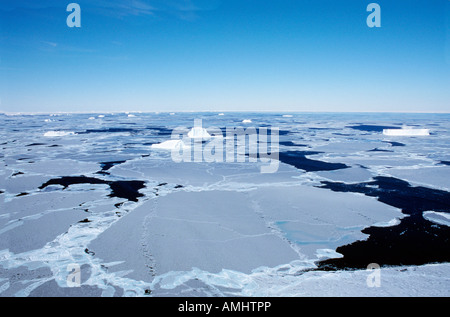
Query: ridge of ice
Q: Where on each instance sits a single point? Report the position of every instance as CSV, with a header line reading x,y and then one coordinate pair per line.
x,y
58,133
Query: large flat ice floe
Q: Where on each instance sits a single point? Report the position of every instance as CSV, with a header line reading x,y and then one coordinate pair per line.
x,y
240,232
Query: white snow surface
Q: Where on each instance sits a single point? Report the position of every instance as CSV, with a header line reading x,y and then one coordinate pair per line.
x,y
169,145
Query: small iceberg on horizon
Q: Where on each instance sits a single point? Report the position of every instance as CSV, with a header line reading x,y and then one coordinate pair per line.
x,y
246,121
198,133
406,131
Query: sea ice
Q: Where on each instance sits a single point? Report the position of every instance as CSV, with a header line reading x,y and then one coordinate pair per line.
x,y
213,230
216,229
440,218
57,167
430,176
406,132
354,174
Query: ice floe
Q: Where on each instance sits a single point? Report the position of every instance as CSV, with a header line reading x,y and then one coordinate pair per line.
x,y
440,218
170,145
135,221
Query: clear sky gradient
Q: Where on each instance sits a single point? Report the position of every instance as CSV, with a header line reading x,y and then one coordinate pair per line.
x,y
225,55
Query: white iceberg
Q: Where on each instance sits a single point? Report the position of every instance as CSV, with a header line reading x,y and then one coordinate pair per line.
x,y
246,121
198,133
405,131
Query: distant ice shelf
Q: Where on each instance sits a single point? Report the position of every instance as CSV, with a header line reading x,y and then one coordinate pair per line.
x,y
406,132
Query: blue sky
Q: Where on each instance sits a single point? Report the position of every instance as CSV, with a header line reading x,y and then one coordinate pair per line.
x,y
225,55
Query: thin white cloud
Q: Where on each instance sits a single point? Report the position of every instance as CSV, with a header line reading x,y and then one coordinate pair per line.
x,y
120,8
52,44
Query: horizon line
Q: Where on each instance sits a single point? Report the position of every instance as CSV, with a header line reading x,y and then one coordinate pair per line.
x,y
209,111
